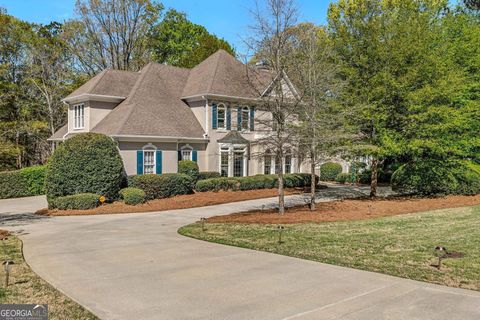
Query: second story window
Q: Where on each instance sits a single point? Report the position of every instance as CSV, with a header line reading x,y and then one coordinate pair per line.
x,y
245,118
221,116
78,116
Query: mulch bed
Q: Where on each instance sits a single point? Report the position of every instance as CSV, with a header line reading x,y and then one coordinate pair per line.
x,y
350,210
199,199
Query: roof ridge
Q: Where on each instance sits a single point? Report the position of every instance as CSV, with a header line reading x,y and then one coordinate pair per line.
x,y
209,88
101,75
131,93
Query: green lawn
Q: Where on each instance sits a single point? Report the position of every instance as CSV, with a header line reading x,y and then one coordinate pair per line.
x,y
401,245
26,287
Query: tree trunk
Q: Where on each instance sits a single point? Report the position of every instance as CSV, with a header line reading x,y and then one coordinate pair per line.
x,y
281,194
312,181
374,178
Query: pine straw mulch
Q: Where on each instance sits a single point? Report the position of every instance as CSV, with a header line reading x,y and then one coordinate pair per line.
x,y
198,199
345,210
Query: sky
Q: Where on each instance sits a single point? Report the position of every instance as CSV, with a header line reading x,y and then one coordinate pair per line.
x,y
228,19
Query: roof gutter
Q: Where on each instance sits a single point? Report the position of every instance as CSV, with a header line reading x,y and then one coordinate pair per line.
x,y
126,137
93,97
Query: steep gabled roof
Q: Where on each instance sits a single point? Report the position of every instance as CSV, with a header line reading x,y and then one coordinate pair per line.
x,y
154,107
109,83
222,74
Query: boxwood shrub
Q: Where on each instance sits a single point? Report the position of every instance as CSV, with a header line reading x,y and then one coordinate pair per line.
x,y
190,168
329,171
85,163
22,183
431,177
132,195
81,201
158,186
202,175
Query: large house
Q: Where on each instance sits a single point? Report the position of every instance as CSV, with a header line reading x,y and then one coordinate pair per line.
x,y
162,114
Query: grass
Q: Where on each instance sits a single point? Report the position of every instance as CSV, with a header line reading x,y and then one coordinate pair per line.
x,y
26,287
401,245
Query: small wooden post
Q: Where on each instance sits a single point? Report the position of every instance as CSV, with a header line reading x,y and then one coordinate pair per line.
x,y
280,231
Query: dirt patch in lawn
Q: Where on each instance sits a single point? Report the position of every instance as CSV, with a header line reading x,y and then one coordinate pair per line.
x,y
199,199
350,210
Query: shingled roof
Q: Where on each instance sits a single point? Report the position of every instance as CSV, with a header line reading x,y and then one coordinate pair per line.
x,y
222,74
152,101
109,82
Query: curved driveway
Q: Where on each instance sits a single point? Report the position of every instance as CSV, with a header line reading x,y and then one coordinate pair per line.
x,y
136,266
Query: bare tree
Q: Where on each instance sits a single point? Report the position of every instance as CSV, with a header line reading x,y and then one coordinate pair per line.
x,y
111,33
269,42
321,128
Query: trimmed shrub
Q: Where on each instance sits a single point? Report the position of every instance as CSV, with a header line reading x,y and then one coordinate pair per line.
x,y
85,163
208,175
432,177
132,195
158,186
22,183
81,201
329,171
343,178
190,168
260,181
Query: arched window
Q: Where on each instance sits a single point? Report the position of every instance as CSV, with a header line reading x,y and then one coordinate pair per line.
x,y
267,164
186,152
149,161
288,161
245,118
221,116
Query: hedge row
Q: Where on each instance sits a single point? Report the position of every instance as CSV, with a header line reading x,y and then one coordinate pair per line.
x,y
158,186
22,183
291,180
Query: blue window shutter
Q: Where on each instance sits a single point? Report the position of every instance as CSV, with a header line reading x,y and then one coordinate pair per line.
x,y
229,118
139,161
239,118
252,116
158,162
214,116
179,155
194,155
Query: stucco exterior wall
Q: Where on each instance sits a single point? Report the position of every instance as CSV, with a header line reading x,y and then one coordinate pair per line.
x,y
128,152
97,111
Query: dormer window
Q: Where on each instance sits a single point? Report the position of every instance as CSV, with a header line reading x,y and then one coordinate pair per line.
x,y
79,116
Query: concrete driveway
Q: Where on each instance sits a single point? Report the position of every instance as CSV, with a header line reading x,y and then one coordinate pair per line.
x,y
136,266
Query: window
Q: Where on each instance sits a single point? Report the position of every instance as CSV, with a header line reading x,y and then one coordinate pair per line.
x,y
187,154
148,161
267,166
224,167
221,116
78,116
288,163
238,162
245,118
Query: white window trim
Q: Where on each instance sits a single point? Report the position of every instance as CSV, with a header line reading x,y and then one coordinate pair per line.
x,y
231,151
150,148
187,148
222,106
248,119
79,114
